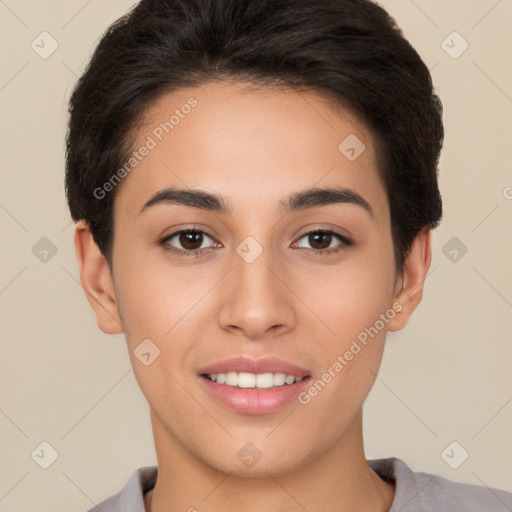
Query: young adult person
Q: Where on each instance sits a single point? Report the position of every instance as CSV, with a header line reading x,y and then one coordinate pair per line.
x,y
254,184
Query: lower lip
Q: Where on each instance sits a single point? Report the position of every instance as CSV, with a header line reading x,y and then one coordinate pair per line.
x,y
252,400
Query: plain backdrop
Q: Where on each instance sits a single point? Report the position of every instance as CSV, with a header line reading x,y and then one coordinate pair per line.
x,y
444,379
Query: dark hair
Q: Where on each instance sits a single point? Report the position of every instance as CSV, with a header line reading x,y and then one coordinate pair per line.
x,y
349,51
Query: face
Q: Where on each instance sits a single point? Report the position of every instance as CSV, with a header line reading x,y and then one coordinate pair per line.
x,y
272,273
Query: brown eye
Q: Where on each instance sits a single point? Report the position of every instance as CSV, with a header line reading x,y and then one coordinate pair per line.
x,y
186,241
190,240
321,241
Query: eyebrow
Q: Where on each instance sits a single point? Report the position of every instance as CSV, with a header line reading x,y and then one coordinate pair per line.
x,y
310,198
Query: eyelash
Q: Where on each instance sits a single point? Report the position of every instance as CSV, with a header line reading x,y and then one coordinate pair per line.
x,y
345,243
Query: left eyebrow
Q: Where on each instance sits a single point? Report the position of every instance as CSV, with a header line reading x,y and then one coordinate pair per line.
x,y
316,197
311,198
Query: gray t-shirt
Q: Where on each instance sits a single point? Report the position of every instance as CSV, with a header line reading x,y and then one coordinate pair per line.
x,y
414,492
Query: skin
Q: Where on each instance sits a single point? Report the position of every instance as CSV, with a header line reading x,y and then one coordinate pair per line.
x,y
254,147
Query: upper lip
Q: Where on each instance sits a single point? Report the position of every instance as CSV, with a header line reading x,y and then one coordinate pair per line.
x,y
257,366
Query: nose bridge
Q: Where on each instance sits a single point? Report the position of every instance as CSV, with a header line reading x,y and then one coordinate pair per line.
x,y
256,299
254,277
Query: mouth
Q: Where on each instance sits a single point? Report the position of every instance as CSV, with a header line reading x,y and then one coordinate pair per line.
x,y
253,380
254,386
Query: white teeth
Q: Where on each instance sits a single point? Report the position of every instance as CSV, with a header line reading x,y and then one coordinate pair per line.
x,y
252,380
290,379
264,380
231,379
279,379
246,380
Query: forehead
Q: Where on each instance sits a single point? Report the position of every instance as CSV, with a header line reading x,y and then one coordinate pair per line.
x,y
252,146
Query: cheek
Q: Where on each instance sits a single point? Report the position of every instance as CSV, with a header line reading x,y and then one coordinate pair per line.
x,y
350,339
354,303
165,304
351,296
155,298
157,307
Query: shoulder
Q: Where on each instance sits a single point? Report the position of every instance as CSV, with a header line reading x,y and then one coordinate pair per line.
x,y
131,497
416,491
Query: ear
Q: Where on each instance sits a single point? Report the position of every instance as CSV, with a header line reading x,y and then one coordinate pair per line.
x,y
409,284
96,280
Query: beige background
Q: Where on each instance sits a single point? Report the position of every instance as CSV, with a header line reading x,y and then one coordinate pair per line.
x,y
445,378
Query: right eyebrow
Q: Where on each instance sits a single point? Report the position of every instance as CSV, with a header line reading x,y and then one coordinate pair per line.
x,y
189,197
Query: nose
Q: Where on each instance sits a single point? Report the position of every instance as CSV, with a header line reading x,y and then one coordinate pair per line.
x,y
256,298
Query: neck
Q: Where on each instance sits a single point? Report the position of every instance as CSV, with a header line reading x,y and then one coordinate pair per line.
x,y
339,479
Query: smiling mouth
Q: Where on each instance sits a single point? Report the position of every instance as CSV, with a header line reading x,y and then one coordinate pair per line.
x,y
253,380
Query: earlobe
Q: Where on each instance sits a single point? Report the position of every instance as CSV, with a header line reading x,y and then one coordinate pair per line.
x,y
96,280
409,285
